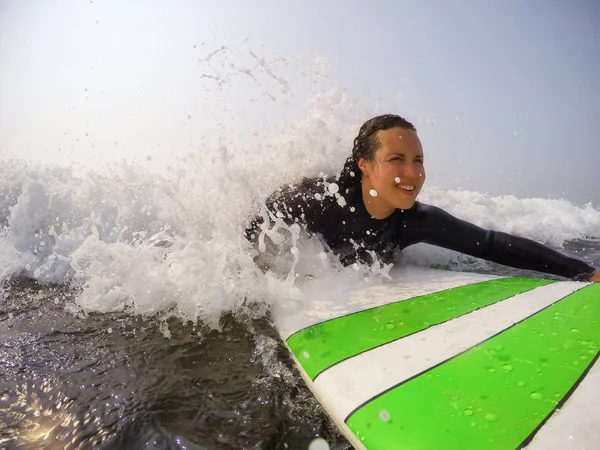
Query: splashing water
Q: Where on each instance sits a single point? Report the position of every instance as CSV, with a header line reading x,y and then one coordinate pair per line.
x,y
171,240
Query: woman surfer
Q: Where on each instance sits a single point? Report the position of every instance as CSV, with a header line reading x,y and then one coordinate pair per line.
x,y
370,210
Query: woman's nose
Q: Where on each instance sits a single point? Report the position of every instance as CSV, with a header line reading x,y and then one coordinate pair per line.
x,y
411,170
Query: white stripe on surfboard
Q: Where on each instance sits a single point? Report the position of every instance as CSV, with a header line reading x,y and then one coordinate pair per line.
x,y
575,425
321,301
351,383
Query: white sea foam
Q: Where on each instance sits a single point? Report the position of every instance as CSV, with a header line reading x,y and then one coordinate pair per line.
x,y
171,240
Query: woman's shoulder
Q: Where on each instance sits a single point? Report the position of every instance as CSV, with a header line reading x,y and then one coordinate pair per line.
x,y
427,209
322,189
313,201
422,213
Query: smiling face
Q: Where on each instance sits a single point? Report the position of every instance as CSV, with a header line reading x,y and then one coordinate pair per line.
x,y
395,176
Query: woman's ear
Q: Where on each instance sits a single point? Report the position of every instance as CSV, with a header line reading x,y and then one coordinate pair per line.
x,y
364,166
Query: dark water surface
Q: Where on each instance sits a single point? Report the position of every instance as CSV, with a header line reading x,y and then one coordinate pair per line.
x,y
116,382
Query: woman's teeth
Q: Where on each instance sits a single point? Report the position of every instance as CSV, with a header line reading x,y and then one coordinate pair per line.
x,y
407,187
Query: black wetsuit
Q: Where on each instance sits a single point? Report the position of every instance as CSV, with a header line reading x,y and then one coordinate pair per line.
x,y
337,213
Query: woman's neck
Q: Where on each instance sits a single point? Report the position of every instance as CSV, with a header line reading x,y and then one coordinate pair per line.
x,y
373,204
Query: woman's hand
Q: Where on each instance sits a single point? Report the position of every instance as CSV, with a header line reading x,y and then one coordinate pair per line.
x,y
596,277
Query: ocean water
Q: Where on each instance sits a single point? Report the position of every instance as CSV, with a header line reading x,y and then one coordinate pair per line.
x,y
132,315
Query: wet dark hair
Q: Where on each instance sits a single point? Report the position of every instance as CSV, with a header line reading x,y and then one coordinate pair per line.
x,y
366,143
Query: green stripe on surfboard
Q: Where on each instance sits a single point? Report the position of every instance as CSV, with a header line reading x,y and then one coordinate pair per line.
x,y
320,346
495,395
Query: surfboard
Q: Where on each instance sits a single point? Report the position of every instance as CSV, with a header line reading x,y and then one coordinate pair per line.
x,y
434,359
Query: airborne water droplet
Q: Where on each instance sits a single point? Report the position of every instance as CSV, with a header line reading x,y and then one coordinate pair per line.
x,y
373,193
306,355
468,412
390,326
507,367
318,444
397,179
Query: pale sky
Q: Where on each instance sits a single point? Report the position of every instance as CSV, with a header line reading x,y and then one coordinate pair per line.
x,y
505,94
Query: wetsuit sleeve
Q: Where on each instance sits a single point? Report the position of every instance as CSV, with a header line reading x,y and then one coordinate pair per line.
x,y
435,226
290,205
